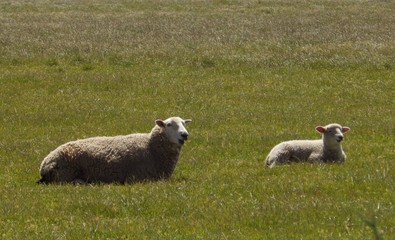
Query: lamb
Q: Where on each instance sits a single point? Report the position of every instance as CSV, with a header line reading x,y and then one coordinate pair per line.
x,y
326,150
120,159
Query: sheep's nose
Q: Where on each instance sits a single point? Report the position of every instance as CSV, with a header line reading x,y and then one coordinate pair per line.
x,y
184,135
340,138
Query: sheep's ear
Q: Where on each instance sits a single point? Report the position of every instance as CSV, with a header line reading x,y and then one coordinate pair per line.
x,y
320,129
187,120
160,123
345,129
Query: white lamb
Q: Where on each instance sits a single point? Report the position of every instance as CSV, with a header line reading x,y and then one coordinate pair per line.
x,y
327,150
122,159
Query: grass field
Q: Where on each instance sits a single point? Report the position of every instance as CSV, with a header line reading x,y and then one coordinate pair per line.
x,y
249,73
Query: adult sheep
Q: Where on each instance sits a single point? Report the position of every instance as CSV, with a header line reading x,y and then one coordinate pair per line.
x,y
328,149
123,159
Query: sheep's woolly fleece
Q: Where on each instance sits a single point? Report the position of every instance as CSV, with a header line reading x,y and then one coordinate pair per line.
x,y
122,159
328,149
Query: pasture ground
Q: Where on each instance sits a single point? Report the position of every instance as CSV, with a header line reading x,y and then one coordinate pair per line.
x,y
249,73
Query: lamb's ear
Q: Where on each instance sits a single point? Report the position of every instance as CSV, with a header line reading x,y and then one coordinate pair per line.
x,y
320,129
345,129
160,123
187,120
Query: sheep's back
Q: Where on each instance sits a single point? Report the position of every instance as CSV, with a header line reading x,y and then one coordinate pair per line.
x,y
109,159
111,149
303,150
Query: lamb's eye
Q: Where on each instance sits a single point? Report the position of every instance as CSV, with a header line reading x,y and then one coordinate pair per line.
x,y
169,124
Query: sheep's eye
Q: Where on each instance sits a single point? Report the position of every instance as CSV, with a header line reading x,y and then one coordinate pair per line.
x,y
169,124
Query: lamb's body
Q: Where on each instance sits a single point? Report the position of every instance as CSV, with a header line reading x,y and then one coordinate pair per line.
x,y
304,150
124,159
327,150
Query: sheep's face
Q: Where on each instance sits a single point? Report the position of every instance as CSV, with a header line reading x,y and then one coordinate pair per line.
x,y
174,128
333,133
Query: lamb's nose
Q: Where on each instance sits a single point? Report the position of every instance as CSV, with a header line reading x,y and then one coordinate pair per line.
x,y
184,135
340,138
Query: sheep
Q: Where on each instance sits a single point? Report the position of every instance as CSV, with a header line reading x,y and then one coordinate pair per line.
x,y
119,159
326,150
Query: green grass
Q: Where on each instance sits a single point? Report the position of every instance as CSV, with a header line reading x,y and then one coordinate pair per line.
x,y
249,74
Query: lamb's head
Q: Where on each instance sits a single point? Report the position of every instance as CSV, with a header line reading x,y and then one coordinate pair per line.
x,y
174,129
332,133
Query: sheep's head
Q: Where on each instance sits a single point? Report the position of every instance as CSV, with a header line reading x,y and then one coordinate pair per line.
x,y
332,133
174,129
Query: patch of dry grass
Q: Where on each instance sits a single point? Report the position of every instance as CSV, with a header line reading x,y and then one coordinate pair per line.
x,y
263,33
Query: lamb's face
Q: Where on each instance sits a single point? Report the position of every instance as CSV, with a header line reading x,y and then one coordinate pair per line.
x,y
175,129
333,133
